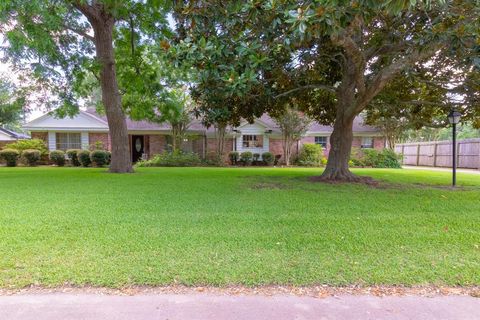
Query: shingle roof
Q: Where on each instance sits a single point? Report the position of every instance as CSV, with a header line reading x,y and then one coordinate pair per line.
x,y
13,134
196,125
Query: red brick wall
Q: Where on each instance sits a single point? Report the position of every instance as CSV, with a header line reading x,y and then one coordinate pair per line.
x,y
379,143
275,146
212,147
158,143
3,143
40,135
104,138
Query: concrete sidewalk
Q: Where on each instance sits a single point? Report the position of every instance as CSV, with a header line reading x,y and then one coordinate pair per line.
x,y
473,171
58,306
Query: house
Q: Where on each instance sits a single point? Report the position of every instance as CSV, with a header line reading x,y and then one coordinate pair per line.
x,y
148,138
9,136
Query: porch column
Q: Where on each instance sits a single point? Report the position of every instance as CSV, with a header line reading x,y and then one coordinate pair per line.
x,y
52,140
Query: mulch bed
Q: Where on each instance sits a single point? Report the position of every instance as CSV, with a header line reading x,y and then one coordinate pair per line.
x,y
313,291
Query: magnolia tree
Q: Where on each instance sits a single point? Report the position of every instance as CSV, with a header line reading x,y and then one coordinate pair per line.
x,y
62,41
333,59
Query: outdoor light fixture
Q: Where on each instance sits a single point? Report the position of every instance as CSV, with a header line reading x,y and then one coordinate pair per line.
x,y
454,119
454,116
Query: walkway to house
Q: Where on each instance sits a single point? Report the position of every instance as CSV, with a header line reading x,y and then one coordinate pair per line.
x,y
441,169
73,306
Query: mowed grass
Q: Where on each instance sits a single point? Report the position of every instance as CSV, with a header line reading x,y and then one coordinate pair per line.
x,y
225,226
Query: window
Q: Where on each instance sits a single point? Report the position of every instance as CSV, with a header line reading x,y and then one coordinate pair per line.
x,y
367,142
68,140
252,141
321,141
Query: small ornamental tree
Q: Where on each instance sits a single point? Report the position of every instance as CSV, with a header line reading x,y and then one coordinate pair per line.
x,y
293,126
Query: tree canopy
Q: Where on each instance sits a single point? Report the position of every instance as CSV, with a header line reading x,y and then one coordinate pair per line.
x,y
12,104
332,58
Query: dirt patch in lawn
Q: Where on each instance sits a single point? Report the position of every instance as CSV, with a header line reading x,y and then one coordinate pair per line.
x,y
311,291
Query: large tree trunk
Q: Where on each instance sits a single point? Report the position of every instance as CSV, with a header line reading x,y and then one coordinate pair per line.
x,y
339,155
121,161
220,130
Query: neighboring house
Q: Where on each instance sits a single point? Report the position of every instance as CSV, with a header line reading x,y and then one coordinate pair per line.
x,y
147,138
9,136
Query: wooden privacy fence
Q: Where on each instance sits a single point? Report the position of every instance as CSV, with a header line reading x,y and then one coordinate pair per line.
x,y
439,153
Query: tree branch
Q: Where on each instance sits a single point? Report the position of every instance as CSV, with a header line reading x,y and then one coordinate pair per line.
x,y
310,86
353,53
386,74
80,33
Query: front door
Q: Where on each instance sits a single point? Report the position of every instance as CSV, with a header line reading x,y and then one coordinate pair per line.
x,y
138,147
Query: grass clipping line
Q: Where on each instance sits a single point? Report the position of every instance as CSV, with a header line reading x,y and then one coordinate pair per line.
x,y
322,291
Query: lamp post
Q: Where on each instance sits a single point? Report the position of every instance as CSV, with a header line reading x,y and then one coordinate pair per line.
x,y
454,118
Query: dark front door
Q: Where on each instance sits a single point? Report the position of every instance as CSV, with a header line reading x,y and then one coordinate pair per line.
x,y
138,147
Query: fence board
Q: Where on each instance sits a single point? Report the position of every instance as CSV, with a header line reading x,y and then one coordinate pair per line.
x,y
439,153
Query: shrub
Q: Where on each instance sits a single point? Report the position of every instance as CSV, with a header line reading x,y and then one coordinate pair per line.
x,y
246,158
212,158
233,157
268,158
31,156
33,144
256,157
311,155
84,158
99,158
10,156
389,159
172,159
98,145
357,158
72,155
109,157
277,159
57,157
385,158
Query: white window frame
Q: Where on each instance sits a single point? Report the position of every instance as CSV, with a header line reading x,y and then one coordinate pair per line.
x,y
367,144
74,141
323,144
251,138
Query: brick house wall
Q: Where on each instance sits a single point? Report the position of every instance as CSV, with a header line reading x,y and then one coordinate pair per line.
x,y
211,147
40,135
104,138
157,144
378,143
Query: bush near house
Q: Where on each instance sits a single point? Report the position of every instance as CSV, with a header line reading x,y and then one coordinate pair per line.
x,y
31,157
10,156
72,155
277,159
311,155
84,158
172,159
385,158
256,157
99,158
268,158
246,158
233,156
57,157
33,144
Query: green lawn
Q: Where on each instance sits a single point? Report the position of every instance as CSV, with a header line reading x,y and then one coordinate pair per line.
x,y
198,226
